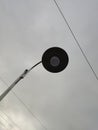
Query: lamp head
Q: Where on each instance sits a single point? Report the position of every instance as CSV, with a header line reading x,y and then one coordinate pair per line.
x,y
55,59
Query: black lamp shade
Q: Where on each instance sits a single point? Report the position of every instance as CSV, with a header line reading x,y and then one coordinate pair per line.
x,y
55,59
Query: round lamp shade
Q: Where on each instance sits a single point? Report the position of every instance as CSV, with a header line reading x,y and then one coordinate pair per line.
x,y
55,59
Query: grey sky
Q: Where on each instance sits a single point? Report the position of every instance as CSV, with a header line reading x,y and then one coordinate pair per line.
x,y
63,101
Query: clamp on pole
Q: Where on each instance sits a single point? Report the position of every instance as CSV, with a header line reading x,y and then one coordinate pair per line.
x,y
16,81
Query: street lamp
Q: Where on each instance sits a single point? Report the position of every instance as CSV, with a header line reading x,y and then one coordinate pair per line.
x,y
54,60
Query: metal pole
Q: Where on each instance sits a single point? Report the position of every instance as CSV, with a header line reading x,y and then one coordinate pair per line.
x,y
17,80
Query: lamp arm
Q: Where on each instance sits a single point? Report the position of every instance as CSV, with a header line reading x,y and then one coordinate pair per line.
x,y
16,81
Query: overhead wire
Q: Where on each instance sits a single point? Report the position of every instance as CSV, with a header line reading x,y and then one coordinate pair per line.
x,y
27,108
3,121
4,114
77,42
5,124
33,115
60,11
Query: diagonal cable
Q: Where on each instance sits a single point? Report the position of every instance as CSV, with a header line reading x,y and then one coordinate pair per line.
x,y
11,121
27,108
78,44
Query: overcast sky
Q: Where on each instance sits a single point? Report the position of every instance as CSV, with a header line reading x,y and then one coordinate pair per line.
x,y
43,100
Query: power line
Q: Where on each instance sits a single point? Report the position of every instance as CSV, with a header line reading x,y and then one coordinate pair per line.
x,y
19,78
81,52
16,126
65,20
30,111
6,114
27,108
2,124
